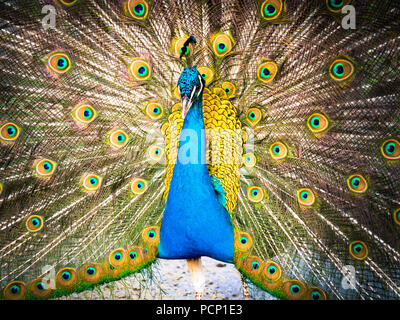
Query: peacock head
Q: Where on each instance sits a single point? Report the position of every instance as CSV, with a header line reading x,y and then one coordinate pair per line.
x,y
191,86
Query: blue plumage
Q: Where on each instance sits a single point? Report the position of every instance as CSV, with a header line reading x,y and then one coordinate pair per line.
x,y
195,223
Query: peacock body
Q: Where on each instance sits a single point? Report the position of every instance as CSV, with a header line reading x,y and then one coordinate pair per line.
x,y
259,133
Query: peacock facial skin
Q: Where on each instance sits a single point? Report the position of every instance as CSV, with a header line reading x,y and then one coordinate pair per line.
x,y
190,86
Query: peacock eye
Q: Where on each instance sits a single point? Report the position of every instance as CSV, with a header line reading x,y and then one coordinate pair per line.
x,y
278,151
271,9
34,223
243,240
44,167
118,138
59,62
9,132
357,183
341,69
206,73
222,45
391,149
140,70
154,110
267,71
138,9
317,122
138,186
84,113
229,89
254,116
91,182
249,160
255,194
305,197
132,255
358,250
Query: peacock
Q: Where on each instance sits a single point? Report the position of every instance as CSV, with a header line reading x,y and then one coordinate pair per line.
x,y
263,134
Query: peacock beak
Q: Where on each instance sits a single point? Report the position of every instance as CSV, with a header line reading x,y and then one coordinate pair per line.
x,y
186,103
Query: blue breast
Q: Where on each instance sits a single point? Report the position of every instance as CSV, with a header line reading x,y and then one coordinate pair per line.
x,y
194,223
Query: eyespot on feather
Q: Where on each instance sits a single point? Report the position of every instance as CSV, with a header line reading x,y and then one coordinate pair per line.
x,y
15,290
315,293
294,289
151,235
272,271
40,289
44,167
243,241
91,272
249,160
66,278
222,45
135,257
137,9
305,197
140,69
84,113
253,266
154,110
255,194
358,250
253,116
91,182
278,150
229,88
58,62
271,9
390,149
9,132
118,138
206,73
317,123
357,183
155,153
266,72
118,258
336,6
138,186
341,69
34,223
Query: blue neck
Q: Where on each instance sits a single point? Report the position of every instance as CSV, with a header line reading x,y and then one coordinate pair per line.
x,y
194,223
